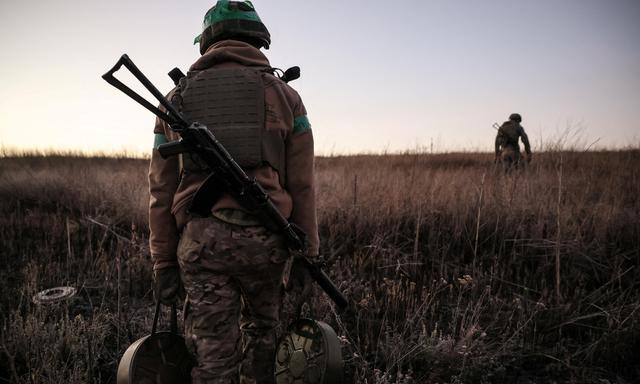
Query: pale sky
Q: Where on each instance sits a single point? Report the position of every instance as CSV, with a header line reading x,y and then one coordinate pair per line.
x,y
376,75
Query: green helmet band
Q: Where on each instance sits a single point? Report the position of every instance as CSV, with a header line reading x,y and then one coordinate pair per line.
x,y
224,11
232,19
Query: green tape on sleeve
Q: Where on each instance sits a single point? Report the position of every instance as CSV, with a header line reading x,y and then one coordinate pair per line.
x,y
301,124
158,140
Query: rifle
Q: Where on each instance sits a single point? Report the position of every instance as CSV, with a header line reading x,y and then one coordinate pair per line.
x,y
226,175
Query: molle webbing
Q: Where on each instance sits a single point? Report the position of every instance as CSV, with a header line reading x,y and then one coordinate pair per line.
x,y
230,102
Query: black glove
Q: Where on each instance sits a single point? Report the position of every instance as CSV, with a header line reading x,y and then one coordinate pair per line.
x,y
301,273
167,285
300,285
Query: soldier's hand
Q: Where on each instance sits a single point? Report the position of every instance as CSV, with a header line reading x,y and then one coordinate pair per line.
x,y
301,280
300,285
167,285
529,157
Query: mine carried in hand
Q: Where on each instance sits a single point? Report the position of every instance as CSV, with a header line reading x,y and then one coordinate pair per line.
x,y
158,358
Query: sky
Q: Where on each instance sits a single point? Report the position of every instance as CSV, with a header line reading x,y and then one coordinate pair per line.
x,y
377,76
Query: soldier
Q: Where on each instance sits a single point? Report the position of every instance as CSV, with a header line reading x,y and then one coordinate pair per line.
x,y
507,147
230,265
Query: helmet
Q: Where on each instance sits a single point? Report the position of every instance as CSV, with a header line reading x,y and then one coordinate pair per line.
x,y
515,117
232,19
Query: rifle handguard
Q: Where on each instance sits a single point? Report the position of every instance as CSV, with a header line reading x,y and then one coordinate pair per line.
x,y
325,283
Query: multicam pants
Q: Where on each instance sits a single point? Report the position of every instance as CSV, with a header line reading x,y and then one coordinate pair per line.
x,y
232,276
510,157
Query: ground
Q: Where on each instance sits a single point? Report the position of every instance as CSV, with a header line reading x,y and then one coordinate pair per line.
x,y
458,272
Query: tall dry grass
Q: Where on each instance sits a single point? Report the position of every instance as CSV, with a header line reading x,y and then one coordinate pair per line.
x,y
459,273
448,245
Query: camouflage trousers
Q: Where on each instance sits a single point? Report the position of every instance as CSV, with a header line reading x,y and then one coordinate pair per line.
x,y
510,157
233,279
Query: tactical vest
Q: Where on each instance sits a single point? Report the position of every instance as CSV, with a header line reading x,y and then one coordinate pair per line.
x,y
230,102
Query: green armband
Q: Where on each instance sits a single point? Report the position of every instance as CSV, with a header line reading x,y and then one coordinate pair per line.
x,y
301,124
158,140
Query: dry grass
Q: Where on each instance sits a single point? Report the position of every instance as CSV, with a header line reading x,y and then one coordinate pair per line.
x,y
459,273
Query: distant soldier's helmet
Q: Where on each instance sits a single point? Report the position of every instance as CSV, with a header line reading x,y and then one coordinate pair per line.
x,y
515,117
232,19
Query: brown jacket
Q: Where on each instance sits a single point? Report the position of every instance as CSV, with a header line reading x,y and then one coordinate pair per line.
x,y
285,112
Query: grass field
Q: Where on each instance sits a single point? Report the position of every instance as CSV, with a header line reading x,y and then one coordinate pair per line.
x,y
458,272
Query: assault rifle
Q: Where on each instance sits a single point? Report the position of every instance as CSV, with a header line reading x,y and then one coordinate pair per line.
x,y
226,175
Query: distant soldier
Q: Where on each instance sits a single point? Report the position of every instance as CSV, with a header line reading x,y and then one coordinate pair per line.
x,y
230,264
507,147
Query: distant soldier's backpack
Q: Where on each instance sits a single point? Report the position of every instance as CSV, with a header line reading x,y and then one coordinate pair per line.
x,y
508,134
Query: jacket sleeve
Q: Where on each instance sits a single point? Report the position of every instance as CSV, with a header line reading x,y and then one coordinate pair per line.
x,y
163,181
300,177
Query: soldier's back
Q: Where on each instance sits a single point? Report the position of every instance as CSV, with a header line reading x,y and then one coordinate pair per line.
x,y
510,132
